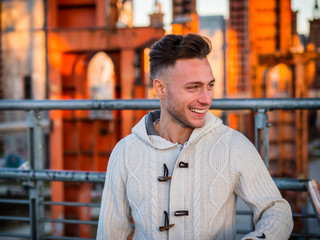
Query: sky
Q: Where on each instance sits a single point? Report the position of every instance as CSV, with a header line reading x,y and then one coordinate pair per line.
x,y
305,8
142,9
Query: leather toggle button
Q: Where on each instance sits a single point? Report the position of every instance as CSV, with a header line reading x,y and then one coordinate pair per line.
x,y
166,226
181,213
165,177
183,165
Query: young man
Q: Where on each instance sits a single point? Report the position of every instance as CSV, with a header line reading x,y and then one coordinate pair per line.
x,y
180,171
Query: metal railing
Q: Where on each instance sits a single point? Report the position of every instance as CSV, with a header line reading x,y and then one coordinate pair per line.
x,y
35,177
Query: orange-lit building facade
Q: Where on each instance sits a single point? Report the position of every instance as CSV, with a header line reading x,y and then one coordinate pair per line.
x,y
265,61
23,67
92,51
77,32
184,17
314,80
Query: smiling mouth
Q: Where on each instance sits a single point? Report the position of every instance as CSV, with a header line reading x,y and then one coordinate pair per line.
x,y
197,110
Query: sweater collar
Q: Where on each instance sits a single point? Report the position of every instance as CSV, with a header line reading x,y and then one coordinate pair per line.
x,y
145,130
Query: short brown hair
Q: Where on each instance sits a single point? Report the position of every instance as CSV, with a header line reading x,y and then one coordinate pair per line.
x,y
171,48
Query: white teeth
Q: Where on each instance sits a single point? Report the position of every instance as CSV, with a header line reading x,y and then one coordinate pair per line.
x,y
197,110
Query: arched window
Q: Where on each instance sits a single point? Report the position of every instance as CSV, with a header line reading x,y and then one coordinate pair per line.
x,y
279,82
101,82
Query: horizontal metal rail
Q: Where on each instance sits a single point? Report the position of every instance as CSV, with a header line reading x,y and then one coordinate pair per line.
x,y
15,235
292,184
15,201
26,219
306,235
52,175
86,176
303,215
149,104
70,221
289,184
73,204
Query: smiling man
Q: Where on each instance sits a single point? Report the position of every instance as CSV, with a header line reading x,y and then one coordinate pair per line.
x,y
185,100
181,170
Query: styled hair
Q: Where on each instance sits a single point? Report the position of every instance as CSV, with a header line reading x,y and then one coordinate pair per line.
x,y
165,52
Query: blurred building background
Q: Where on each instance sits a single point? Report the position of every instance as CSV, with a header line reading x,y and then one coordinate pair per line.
x,y
89,49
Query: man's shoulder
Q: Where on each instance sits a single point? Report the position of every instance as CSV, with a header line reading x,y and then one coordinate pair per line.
x,y
128,139
225,132
222,129
125,145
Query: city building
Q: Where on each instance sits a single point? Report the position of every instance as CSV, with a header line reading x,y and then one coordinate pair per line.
x,y
185,18
73,49
266,61
214,28
314,83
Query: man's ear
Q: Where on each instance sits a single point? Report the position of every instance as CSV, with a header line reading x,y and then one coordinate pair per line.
x,y
160,88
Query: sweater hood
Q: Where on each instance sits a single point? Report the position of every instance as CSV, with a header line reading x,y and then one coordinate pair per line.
x,y
145,130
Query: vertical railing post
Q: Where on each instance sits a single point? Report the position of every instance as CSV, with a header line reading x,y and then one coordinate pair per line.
x,y
262,125
35,151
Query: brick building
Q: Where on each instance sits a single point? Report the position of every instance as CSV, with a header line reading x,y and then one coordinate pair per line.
x,y
74,49
264,61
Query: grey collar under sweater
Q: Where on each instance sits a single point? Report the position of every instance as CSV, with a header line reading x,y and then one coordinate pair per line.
x,y
145,128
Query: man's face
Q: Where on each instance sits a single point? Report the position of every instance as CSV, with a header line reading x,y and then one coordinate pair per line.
x,y
189,92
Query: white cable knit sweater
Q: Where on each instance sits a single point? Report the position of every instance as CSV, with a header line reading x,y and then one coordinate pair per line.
x,y
222,164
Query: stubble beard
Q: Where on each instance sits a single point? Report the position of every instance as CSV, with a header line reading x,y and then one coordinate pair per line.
x,y
177,112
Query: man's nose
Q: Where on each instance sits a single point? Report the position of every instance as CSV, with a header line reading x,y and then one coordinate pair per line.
x,y
206,97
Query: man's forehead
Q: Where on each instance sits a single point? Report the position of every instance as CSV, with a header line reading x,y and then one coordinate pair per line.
x,y
193,68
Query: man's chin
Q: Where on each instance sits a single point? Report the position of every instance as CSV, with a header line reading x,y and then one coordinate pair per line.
x,y
198,124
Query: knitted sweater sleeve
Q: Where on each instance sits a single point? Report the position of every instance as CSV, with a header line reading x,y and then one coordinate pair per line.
x,y
114,218
272,213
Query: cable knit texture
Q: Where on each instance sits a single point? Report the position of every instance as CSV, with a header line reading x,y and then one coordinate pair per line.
x,y
222,164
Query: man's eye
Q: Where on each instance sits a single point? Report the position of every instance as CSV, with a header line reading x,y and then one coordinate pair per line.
x,y
193,87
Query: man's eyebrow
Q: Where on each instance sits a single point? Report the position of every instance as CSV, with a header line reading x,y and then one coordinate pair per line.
x,y
199,82
212,81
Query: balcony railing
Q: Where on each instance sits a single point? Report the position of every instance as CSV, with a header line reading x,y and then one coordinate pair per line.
x,y
35,177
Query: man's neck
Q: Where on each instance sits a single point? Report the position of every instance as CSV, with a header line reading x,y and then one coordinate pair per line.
x,y
174,133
